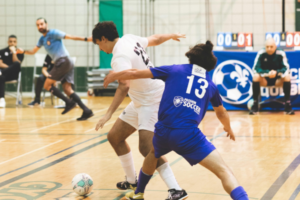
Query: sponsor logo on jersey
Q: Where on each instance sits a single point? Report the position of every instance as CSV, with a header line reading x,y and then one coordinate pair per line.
x,y
178,101
48,43
199,71
6,53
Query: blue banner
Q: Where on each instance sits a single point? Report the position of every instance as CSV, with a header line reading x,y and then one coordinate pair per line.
x,y
233,76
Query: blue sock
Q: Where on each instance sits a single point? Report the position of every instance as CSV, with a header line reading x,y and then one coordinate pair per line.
x,y
142,183
239,194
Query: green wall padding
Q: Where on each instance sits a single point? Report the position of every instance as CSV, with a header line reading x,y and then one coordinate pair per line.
x,y
110,11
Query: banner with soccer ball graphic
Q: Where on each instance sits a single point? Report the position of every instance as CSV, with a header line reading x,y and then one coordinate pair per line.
x,y
233,76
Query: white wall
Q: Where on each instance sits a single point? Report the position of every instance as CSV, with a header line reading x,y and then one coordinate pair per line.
x,y
188,16
18,17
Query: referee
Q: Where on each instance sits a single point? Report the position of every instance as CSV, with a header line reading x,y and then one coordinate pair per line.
x,y
63,69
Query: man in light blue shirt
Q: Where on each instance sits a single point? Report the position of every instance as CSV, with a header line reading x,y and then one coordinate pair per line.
x,y
63,69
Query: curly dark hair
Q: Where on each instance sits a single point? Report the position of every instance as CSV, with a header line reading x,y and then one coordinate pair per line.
x,y
202,55
107,29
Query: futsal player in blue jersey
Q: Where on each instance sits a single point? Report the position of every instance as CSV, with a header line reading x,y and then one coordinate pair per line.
x,y
63,69
188,91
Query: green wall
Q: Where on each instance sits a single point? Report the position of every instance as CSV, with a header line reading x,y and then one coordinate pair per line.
x,y
297,15
110,11
27,79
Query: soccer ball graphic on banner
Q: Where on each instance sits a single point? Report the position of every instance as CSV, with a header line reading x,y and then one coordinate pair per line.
x,y
82,184
233,79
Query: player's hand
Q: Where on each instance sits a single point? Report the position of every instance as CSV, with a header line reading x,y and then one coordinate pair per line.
x,y
108,78
13,49
102,122
20,51
230,134
272,74
177,36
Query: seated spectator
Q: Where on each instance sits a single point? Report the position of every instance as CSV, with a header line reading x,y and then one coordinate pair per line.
x,y
271,69
48,65
10,65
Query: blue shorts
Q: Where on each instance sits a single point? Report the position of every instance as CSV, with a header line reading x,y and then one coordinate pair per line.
x,y
189,143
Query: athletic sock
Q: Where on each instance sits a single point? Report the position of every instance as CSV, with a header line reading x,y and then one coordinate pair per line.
x,y
143,181
38,89
128,167
256,91
60,95
77,99
239,194
287,91
167,176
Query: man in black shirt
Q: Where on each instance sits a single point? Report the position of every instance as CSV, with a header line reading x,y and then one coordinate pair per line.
x,y
10,65
271,69
48,65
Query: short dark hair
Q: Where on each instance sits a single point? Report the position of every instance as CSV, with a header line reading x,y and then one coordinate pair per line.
x,y
202,55
12,36
107,29
42,19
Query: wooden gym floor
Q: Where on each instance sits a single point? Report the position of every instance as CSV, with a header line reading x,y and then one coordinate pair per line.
x,y
42,150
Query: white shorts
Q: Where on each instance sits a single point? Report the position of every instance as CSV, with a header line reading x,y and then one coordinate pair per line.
x,y
141,118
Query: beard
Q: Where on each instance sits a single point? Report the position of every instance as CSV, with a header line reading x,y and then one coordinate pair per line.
x,y
43,30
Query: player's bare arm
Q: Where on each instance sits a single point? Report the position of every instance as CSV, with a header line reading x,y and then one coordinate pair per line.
x,y
44,71
224,119
128,74
120,94
158,39
73,37
28,52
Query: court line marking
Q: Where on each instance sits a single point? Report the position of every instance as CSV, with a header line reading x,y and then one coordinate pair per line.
x,y
64,121
16,178
51,155
30,152
2,140
295,193
271,192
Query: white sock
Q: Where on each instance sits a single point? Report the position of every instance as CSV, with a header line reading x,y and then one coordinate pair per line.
x,y
167,176
128,166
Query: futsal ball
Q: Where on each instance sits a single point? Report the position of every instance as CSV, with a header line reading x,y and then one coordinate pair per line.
x,y
82,184
250,104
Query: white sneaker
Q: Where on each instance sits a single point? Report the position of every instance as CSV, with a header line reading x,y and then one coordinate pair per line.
x,y
2,103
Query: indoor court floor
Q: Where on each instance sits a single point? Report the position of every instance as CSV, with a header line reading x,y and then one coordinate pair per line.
x,y
42,150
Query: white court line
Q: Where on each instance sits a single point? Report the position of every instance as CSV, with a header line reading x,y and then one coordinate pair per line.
x,y
63,121
93,129
30,152
2,140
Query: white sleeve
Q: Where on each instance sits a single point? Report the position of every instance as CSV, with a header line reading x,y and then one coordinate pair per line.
x,y
142,40
121,63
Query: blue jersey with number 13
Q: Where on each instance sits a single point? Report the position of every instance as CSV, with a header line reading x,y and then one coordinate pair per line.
x,y
188,91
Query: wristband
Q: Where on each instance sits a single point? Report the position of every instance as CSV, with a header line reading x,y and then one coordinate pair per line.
x,y
85,39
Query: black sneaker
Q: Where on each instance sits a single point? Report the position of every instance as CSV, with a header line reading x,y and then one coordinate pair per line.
x,y
85,115
288,109
177,195
69,106
34,103
125,185
254,109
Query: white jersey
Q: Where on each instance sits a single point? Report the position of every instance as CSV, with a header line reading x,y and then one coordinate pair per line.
x,y
129,53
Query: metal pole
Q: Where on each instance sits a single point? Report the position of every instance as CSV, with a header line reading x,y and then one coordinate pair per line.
x,y
93,23
87,33
207,19
283,15
153,29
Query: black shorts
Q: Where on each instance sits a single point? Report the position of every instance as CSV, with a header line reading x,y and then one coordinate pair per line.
x,y
272,81
63,70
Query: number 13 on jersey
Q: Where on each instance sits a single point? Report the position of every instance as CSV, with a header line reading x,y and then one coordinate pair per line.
x,y
203,86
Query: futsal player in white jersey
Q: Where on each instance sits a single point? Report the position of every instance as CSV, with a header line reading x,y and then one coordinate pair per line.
x,y
142,112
